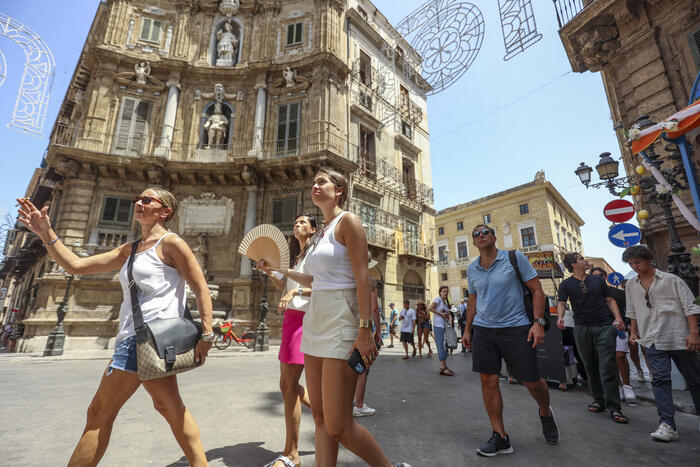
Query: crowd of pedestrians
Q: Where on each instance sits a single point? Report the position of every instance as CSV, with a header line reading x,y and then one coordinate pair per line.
x,y
332,318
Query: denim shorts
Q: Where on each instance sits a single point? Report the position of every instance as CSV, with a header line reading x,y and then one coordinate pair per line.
x,y
124,357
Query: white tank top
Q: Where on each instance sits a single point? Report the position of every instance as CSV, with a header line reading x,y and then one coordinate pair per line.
x,y
329,261
161,290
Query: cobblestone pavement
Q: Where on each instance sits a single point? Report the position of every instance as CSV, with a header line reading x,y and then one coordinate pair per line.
x,y
422,417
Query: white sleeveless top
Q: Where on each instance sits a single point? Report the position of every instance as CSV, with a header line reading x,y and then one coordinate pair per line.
x,y
161,290
329,261
297,302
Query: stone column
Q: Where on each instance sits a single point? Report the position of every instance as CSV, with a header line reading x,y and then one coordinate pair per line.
x,y
259,131
166,140
250,216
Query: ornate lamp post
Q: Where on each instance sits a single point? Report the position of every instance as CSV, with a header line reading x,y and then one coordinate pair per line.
x,y
57,337
262,334
608,171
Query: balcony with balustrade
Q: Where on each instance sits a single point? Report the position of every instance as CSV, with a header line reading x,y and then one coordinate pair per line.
x,y
568,9
412,250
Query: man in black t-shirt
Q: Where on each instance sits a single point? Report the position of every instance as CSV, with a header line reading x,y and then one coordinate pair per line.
x,y
594,332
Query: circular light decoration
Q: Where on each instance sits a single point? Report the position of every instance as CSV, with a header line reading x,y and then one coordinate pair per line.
x,y
3,68
448,36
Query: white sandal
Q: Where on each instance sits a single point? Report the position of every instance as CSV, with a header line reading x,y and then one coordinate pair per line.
x,y
285,460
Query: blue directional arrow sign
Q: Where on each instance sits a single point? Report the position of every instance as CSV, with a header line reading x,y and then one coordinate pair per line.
x,y
624,235
615,278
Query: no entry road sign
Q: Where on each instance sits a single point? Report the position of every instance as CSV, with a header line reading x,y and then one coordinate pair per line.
x,y
624,235
619,210
615,278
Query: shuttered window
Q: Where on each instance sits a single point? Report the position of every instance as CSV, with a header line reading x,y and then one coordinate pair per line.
x,y
294,33
150,30
284,211
116,212
694,42
288,128
132,127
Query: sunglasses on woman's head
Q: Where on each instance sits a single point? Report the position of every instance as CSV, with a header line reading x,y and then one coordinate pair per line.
x,y
146,200
481,232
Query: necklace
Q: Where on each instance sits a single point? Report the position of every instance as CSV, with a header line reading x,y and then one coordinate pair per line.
x,y
328,223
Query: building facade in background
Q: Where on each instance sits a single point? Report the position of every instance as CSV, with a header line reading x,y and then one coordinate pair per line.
x,y
232,106
533,218
648,55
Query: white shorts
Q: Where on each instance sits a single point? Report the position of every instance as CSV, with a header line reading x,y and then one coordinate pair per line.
x,y
621,344
332,323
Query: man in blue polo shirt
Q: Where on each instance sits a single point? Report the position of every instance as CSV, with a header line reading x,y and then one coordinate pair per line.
x,y
502,331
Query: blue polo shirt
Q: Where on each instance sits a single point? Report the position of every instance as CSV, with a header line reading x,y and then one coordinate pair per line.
x,y
499,296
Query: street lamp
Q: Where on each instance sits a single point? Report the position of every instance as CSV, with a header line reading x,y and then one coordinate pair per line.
x,y
608,171
262,334
57,337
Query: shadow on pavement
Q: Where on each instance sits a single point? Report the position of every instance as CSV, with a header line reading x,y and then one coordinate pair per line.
x,y
239,455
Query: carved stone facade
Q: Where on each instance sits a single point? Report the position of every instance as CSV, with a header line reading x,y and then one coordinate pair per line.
x,y
149,87
648,54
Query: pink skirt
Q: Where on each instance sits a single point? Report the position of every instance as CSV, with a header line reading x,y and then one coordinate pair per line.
x,y
292,331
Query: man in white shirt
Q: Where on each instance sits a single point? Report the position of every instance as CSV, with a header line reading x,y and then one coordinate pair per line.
x,y
407,317
664,319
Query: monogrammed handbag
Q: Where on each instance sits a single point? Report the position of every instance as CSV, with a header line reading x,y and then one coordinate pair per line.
x,y
450,336
165,346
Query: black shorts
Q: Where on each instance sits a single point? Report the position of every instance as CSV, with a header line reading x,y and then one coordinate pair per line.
x,y
407,337
490,345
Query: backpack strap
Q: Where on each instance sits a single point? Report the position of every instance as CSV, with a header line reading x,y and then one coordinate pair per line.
x,y
514,263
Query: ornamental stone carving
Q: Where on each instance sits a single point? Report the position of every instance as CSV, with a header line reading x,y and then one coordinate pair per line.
x,y
205,214
227,45
229,8
216,127
143,72
289,77
598,44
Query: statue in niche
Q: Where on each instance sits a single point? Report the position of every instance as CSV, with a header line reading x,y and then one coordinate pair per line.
x,y
201,252
289,77
506,229
227,46
143,72
216,126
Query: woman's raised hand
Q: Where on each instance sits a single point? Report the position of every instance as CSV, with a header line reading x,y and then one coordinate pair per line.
x,y
263,266
35,220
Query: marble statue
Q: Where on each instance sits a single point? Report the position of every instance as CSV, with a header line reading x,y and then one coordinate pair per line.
x,y
289,77
143,72
216,126
227,47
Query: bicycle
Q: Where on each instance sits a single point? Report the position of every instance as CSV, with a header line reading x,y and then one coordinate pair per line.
x,y
226,336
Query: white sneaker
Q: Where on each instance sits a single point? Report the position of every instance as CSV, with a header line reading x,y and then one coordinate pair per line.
x,y
665,433
629,394
365,411
622,393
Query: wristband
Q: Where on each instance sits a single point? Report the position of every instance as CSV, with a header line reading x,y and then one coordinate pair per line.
x,y
51,242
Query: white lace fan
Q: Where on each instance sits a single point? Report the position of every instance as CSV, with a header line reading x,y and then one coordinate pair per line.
x,y
266,242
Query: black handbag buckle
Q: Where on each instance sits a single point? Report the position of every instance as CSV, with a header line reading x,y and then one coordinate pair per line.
x,y
170,355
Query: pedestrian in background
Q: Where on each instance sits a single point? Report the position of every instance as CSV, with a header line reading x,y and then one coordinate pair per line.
x,y
595,332
462,321
502,332
621,341
359,408
440,308
664,319
424,328
162,264
294,304
407,317
393,324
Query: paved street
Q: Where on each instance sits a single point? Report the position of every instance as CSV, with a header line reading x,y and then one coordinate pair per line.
x,y
422,418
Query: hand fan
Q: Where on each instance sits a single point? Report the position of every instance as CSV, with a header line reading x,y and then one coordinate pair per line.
x,y
266,242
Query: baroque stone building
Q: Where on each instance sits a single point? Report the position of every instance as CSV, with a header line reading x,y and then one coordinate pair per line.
x,y
232,106
648,55
532,218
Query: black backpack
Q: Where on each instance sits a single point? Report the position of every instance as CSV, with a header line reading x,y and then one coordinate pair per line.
x,y
527,295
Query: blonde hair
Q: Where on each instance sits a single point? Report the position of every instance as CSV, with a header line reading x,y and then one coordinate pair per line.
x,y
168,199
339,180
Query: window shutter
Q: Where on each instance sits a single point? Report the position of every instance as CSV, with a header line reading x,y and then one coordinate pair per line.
x,y
110,209
297,37
289,211
124,211
290,34
140,127
124,126
145,29
277,208
155,31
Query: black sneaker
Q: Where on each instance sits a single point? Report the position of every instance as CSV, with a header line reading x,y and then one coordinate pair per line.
x,y
495,446
550,430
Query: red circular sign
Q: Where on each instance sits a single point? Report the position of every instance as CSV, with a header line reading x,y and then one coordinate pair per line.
x,y
619,210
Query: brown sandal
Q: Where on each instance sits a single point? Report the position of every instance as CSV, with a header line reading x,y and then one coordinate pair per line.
x,y
446,372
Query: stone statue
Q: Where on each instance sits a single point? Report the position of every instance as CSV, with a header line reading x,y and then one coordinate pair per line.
x,y
143,72
219,92
201,252
227,47
289,77
216,126
506,229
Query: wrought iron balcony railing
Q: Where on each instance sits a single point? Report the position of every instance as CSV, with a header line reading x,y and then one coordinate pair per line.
x,y
374,215
568,9
149,145
418,249
378,170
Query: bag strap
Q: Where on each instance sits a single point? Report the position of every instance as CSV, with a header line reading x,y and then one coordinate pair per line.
x,y
139,327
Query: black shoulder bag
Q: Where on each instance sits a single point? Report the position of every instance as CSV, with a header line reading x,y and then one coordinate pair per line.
x,y
527,294
164,346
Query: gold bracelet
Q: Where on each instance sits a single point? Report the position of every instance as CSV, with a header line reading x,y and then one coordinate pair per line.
x,y
366,323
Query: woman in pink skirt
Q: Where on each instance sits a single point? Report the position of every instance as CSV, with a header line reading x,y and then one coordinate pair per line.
x,y
294,303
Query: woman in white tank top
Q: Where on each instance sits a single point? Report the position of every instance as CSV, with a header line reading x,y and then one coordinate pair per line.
x,y
162,265
337,323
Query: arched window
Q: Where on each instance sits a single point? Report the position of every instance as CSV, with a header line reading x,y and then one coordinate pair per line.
x,y
236,30
228,111
413,288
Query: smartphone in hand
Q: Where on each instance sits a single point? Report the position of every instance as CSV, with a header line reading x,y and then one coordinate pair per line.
x,y
356,363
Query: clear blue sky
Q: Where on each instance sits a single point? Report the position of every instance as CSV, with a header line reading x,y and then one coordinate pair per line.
x,y
476,149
